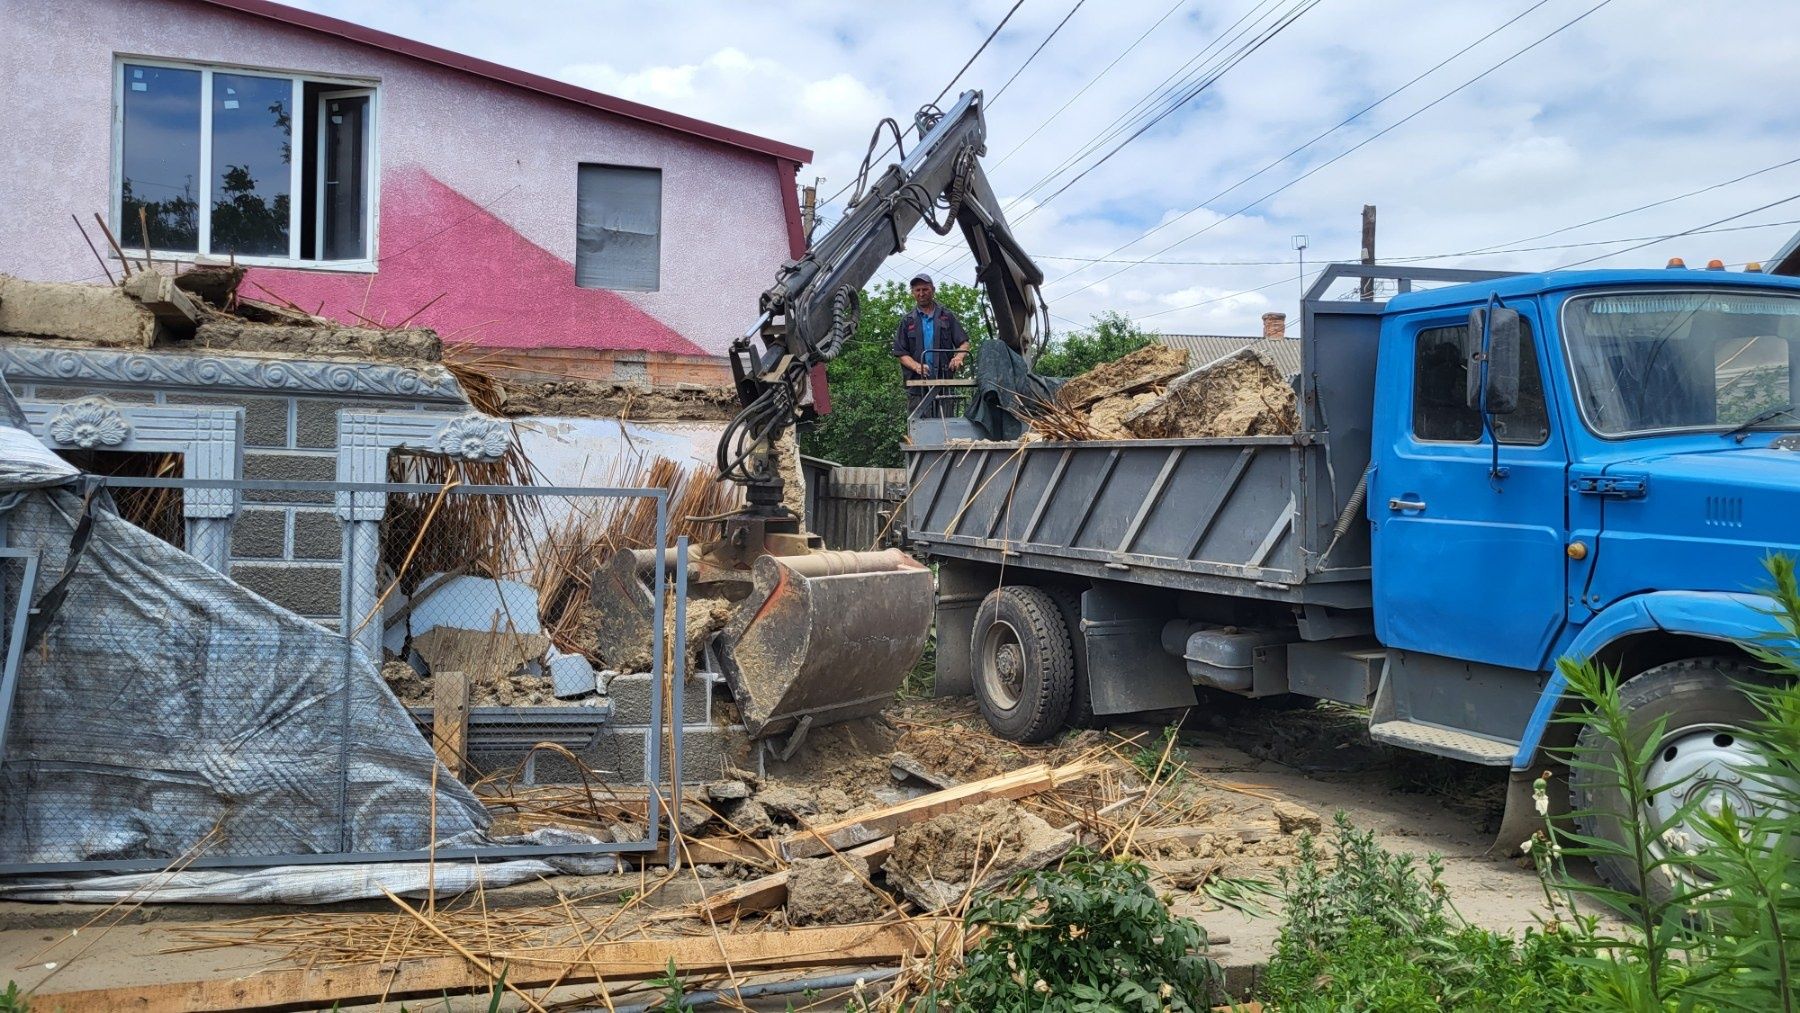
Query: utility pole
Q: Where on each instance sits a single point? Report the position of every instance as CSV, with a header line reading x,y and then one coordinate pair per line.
x,y
1368,250
1300,246
809,206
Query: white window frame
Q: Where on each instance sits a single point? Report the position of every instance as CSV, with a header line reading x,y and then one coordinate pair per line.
x,y
298,80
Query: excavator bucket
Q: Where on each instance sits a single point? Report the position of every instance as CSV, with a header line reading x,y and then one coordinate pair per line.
x,y
825,637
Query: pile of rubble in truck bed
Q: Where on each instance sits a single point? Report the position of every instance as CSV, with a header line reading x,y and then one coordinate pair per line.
x,y
1151,394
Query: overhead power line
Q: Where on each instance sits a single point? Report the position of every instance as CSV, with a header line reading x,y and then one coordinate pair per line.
x,y
1565,26
1165,97
1353,117
1035,52
940,96
1091,81
1677,235
1410,259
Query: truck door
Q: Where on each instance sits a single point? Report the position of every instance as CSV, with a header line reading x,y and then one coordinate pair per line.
x,y
1467,564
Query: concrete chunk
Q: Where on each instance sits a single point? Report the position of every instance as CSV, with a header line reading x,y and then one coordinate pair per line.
x,y
1240,395
169,304
321,341
571,676
96,315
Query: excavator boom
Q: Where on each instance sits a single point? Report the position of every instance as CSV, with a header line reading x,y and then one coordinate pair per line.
x,y
821,636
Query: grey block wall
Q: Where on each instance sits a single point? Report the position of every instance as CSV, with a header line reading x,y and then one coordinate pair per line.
x,y
285,546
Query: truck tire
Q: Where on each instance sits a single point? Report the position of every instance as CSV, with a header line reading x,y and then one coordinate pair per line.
x,y
1023,667
1702,744
1081,699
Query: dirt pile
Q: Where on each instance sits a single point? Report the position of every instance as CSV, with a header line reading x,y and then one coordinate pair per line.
x,y
828,891
1150,395
1149,366
1243,395
937,862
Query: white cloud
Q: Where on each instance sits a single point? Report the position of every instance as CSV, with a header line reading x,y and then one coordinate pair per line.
x,y
1635,103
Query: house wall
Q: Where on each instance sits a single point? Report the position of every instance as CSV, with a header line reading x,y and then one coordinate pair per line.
x,y
477,185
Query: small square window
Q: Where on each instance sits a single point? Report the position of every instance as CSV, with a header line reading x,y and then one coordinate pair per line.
x,y
618,228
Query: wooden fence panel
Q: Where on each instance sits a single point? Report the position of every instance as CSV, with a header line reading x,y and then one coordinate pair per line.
x,y
850,504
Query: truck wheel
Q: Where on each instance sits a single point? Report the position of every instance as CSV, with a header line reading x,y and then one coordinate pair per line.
x,y
1703,755
1024,669
1081,700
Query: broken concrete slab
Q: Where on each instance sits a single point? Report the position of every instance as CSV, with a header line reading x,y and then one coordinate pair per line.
x,y
96,315
571,675
327,340
211,285
1146,367
475,603
1240,395
935,864
727,791
491,660
170,305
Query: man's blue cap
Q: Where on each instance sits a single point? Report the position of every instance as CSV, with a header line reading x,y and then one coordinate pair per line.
x,y
922,277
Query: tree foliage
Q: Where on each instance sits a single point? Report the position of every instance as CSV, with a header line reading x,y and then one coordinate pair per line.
x,y
867,422
1110,336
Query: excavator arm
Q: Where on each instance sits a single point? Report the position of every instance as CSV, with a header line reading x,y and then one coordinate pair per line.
x,y
813,307
821,636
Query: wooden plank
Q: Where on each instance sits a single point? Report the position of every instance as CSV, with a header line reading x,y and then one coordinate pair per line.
x,y
771,891
860,829
450,718
317,988
710,851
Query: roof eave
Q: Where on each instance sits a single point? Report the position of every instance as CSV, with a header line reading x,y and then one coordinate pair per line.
x,y
513,76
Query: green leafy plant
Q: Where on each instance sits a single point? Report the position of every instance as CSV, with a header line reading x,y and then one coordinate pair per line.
x,y
12,1000
669,983
1156,760
1369,930
1713,907
1090,936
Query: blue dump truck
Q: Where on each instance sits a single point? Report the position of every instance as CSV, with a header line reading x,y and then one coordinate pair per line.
x,y
1492,472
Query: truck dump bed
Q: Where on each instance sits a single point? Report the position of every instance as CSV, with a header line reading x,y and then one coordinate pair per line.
x,y
1248,517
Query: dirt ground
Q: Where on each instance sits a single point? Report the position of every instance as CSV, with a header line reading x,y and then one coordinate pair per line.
x,y
1315,762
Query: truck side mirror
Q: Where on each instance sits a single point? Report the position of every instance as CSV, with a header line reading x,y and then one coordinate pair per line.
x,y
1503,340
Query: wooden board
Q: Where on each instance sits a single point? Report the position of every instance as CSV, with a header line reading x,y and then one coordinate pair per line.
x,y
450,719
865,827
320,988
771,891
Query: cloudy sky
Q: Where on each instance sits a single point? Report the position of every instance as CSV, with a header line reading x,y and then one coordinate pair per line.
x,y
1637,102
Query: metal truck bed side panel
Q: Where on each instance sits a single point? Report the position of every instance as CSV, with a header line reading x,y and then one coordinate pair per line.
x,y
1167,509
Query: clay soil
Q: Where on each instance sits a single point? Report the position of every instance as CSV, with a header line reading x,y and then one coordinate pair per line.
x,y
596,400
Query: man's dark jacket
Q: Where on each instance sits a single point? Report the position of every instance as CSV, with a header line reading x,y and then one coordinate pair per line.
x,y
909,339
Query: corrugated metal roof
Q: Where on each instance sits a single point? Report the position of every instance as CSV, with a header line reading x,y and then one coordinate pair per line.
x,y
1204,348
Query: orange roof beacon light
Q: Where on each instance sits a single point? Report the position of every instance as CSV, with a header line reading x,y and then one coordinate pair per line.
x,y
1676,263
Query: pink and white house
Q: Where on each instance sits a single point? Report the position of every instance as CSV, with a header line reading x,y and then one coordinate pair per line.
x,y
367,176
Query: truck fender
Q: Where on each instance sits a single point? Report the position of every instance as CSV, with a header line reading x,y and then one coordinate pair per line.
x,y
1712,615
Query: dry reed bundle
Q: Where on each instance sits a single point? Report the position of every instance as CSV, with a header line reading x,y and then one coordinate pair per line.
x,y
574,547
484,535
1057,421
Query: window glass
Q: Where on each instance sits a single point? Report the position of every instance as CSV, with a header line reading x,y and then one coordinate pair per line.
x,y
1440,392
1670,360
618,226
160,158
252,164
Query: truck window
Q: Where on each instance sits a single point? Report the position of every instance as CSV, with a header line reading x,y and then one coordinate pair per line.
x,y
1662,361
1440,409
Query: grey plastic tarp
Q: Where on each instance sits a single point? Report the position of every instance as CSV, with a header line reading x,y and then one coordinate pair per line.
x,y
171,712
